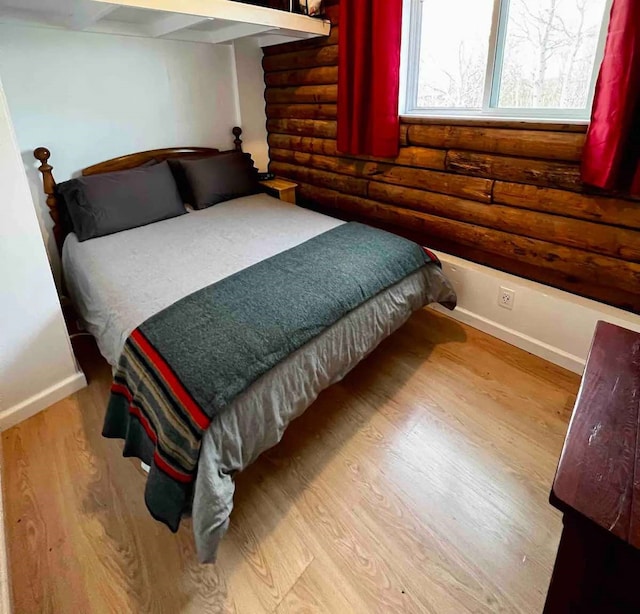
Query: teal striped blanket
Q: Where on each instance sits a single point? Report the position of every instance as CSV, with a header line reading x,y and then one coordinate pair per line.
x,y
188,362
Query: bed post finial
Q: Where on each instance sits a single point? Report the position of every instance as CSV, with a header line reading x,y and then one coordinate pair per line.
x,y
42,154
237,131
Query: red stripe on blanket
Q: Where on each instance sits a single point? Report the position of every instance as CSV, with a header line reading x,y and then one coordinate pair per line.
x,y
157,459
148,429
430,254
171,471
199,417
146,425
135,410
122,390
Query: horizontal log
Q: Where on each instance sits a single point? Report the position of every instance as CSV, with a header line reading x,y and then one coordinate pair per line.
x,y
300,158
301,111
301,94
520,170
434,181
538,269
310,43
475,188
303,127
565,146
420,157
445,183
317,195
592,268
404,135
323,75
306,144
480,122
295,60
607,240
341,183
584,206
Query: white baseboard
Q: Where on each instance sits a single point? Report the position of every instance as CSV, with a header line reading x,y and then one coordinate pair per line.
x,y
31,406
514,337
555,325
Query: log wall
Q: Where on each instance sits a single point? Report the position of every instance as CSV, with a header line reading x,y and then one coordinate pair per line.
x,y
504,194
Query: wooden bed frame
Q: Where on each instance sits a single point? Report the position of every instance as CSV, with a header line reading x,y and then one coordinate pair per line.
x,y
116,164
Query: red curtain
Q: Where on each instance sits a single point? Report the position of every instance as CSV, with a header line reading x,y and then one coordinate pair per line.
x,y
611,157
369,76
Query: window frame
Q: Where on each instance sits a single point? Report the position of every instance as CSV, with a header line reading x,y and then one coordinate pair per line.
x,y
410,60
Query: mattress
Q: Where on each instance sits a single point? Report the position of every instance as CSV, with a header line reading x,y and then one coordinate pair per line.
x,y
118,281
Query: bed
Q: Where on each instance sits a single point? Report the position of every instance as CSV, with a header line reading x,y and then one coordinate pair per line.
x,y
119,281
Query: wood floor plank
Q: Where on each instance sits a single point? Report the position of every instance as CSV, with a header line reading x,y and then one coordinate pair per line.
x,y
417,484
319,591
266,555
373,497
422,569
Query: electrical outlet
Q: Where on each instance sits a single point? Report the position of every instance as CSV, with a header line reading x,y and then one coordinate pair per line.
x,y
506,297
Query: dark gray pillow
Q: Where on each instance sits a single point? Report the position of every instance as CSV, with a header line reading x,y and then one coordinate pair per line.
x,y
110,202
175,164
218,178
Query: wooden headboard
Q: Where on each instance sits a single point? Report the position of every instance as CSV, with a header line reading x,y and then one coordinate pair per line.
x,y
116,164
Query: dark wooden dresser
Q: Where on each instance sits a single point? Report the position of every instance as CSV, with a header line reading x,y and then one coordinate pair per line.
x,y
597,484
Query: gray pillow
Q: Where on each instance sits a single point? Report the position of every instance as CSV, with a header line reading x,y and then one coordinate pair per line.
x,y
110,202
218,178
175,164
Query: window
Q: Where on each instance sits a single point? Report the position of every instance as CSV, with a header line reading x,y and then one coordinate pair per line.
x,y
503,58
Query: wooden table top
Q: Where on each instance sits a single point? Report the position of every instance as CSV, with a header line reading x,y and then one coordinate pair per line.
x,y
277,183
598,474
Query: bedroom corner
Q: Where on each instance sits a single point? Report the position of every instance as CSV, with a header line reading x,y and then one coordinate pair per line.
x,y
37,366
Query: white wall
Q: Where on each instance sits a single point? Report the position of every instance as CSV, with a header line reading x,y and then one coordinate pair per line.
x,y
90,97
250,76
545,321
37,366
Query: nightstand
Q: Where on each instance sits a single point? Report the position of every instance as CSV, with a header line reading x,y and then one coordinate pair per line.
x,y
282,188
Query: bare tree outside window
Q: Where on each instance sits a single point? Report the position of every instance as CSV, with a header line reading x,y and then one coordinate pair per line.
x,y
453,56
542,54
549,51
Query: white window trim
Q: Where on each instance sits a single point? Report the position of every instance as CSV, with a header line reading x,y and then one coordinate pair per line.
x,y
412,21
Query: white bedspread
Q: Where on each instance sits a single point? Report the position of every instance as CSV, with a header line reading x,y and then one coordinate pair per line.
x,y
120,280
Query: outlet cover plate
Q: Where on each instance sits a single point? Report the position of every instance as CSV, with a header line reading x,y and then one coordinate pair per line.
x,y
506,297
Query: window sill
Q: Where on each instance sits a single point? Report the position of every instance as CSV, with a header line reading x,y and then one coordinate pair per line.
x,y
568,125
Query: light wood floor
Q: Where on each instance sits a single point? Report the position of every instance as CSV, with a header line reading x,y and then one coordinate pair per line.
x,y
418,484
